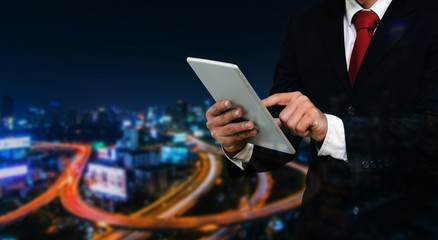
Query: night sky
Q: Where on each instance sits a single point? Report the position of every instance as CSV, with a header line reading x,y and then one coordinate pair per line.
x,y
132,54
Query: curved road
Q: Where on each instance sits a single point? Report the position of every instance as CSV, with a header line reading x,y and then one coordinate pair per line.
x,y
53,191
69,180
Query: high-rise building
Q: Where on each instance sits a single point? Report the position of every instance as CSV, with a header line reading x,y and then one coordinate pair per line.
x,y
177,117
181,113
54,114
130,139
87,118
6,106
35,117
103,117
151,116
72,118
6,112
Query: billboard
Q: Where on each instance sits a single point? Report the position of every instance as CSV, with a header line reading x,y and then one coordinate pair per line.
x,y
13,171
106,180
107,154
179,138
12,143
174,154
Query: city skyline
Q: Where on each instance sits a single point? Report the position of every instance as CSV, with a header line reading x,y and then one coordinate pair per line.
x,y
86,54
103,179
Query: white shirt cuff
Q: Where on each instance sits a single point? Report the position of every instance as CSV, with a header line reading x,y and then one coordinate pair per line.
x,y
334,142
242,158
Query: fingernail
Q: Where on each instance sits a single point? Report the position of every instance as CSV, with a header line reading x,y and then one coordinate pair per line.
x,y
227,103
237,113
249,125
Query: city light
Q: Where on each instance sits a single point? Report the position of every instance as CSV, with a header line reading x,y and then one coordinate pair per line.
x,y
12,143
147,163
13,171
107,153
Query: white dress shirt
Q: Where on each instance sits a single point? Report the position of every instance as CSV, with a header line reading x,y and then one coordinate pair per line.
x,y
334,142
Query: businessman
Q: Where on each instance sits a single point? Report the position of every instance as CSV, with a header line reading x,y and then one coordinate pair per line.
x,y
360,78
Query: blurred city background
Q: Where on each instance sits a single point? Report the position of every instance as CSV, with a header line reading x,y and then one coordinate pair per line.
x,y
102,122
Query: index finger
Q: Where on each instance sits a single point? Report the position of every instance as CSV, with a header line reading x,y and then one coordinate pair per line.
x,y
218,108
279,99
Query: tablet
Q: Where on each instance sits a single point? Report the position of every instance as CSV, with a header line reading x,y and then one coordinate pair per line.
x,y
226,81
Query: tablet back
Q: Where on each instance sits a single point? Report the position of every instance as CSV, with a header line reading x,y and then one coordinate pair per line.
x,y
226,81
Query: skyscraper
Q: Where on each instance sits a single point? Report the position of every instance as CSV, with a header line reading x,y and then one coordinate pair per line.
x,y
6,112
180,114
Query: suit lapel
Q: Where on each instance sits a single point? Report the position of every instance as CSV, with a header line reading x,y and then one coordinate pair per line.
x,y
392,27
332,37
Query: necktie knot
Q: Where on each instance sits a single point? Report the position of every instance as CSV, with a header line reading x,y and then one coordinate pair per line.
x,y
365,19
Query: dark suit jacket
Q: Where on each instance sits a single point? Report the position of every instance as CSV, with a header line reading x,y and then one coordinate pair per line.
x,y
387,188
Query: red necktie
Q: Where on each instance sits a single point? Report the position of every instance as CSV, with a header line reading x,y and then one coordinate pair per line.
x,y
365,23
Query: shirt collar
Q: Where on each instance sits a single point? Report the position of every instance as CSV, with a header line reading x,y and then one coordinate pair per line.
x,y
351,7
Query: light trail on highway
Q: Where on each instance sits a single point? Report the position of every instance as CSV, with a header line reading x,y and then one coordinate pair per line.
x,y
53,191
176,202
67,188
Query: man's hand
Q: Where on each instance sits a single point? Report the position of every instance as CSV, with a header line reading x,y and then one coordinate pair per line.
x,y
232,135
300,116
